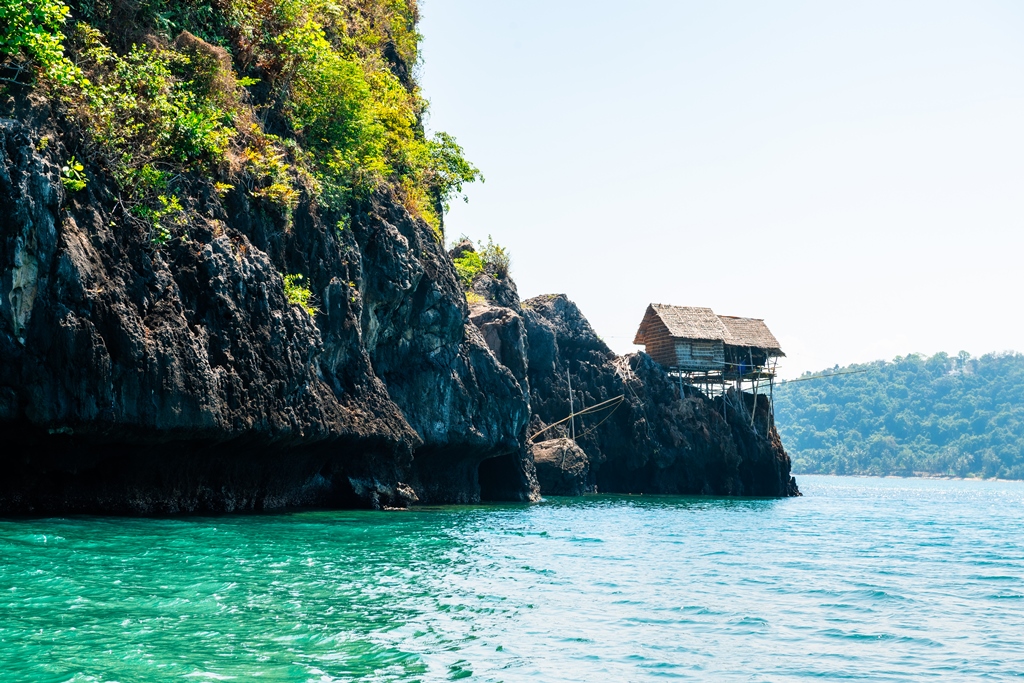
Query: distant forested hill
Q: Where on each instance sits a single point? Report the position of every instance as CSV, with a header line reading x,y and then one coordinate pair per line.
x,y
943,415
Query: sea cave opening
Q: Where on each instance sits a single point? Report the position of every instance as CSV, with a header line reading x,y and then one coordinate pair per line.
x,y
500,478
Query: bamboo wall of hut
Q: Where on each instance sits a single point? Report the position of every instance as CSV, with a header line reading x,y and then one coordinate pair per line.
x,y
697,344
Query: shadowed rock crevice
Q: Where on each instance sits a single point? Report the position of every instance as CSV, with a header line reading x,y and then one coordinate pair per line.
x,y
71,474
510,477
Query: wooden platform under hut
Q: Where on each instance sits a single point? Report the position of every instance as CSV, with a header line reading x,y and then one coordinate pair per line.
x,y
711,352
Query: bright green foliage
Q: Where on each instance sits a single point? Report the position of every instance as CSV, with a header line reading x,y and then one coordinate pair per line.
x,y
297,294
468,266
448,170
497,257
72,174
953,416
151,114
141,110
268,175
330,106
332,65
333,78
31,30
492,258
165,216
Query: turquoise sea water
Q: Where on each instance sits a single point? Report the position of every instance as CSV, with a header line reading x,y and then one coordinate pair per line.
x,y
862,579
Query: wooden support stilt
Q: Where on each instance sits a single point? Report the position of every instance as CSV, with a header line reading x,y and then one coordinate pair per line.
x,y
583,409
753,386
572,410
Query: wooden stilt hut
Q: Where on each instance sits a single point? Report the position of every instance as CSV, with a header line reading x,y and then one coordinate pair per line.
x,y
685,340
751,350
708,350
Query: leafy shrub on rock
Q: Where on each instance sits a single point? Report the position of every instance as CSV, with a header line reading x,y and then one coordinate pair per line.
x,y
296,294
469,263
497,257
325,94
31,36
468,266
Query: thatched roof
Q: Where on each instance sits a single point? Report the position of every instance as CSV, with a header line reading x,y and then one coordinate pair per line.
x,y
684,322
750,332
694,322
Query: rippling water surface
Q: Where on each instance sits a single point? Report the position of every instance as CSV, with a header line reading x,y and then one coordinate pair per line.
x,y
881,579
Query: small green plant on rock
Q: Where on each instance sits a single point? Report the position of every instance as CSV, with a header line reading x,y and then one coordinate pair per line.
x,y
72,174
167,213
497,257
268,176
297,294
468,266
31,40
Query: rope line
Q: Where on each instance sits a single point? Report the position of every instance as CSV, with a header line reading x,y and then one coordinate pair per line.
x,y
834,374
602,420
592,409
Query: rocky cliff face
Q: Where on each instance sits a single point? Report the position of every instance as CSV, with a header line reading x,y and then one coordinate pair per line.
x,y
137,378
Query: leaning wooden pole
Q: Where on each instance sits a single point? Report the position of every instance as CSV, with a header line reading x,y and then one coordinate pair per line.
x,y
753,386
572,410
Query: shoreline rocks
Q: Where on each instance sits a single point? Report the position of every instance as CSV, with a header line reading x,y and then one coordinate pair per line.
x,y
562,467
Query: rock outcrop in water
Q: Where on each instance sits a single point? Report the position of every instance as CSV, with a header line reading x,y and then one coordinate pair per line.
x,y
654,441
180,379
144,370
563,468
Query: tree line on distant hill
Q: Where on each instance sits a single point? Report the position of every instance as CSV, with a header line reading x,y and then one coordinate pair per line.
x,y
917,415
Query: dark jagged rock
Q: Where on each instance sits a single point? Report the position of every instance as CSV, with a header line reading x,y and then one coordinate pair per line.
x,y
464,405
138,378
562,467
504,332
653,441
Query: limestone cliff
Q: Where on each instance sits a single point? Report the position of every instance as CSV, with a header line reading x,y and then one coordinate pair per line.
x,y
136,379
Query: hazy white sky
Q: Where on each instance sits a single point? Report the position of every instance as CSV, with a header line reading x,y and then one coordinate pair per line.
x,y
853,173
